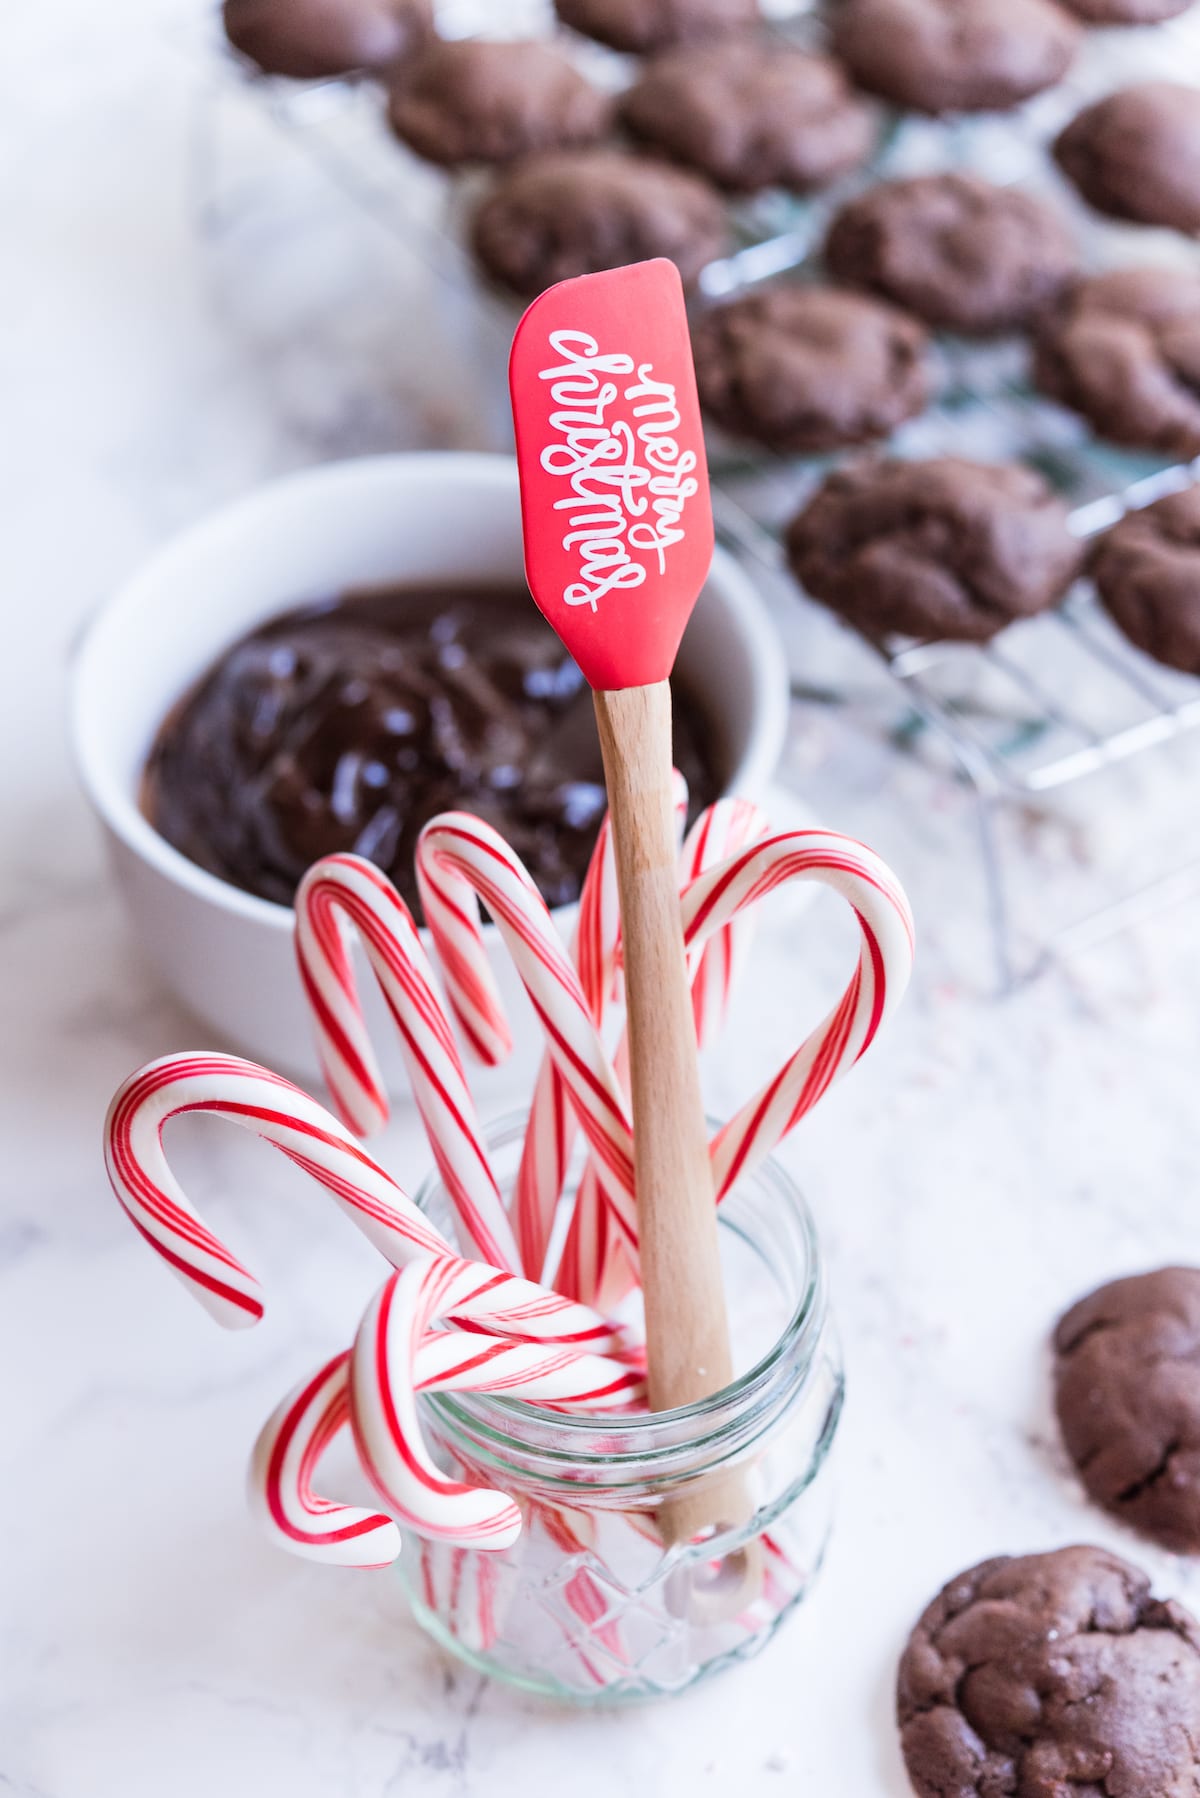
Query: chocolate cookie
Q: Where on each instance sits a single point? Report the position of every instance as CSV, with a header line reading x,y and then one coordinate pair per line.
x,y
1147,571
1123,348
751,114
1136,155
1046,1675
644,25
481,100
960,253
308,39
954,55
1126,12
1127,1389
573,212
939,549
805,368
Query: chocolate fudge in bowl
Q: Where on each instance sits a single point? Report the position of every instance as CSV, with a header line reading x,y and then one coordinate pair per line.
x,y
346,726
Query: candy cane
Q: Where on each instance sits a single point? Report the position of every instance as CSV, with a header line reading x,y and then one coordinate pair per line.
x,y
719,832
464,1592
461,860
542,1171
573,1533
396,1357
459,857
301,1429
463,853
594,1243
843,1037
553,1374
473,1297
285,1458
551,1129
594,1264
457,1584
476,1296
347,886
281,1114
462,1579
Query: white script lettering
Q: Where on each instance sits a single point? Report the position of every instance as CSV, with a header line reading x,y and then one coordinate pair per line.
x,y
628,478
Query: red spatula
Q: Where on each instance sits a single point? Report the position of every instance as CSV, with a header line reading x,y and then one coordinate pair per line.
x,y
618,542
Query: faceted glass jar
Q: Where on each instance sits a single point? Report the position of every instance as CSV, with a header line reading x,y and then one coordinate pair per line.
x,y
590,1605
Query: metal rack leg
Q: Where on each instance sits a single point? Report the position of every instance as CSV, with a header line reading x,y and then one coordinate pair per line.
x,y
988,797
999,912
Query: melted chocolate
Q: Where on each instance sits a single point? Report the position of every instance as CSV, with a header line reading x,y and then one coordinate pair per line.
x,y
347,726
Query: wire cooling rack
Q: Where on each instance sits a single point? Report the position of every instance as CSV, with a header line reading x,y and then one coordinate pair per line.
x,y
1054,701
1050,703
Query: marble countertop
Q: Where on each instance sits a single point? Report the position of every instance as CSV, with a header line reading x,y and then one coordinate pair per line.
x,y
985,1166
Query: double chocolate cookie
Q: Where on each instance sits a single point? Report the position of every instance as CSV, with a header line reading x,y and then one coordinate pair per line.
x,y
806,368
751,114
958,252
574,212
939,549
1126,12
480,100
644,25
1136,154
1147,572
309,39
1043,1675
1127,1391
954,55
1123,349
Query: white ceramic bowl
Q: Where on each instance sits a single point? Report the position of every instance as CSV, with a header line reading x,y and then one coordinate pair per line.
x,y
444,517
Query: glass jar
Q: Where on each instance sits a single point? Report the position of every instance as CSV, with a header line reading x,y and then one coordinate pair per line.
x,y
590,1605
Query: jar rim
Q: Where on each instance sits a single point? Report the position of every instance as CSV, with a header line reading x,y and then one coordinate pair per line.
x,y
648,1437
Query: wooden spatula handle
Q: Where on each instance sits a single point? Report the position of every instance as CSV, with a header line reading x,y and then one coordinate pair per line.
x,y
687,1331
687,1335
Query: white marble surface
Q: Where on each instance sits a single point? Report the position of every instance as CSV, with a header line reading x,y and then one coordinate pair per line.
x,y
985,1166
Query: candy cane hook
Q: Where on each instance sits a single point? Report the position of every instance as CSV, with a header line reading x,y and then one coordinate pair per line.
x,y
261,1102
347,887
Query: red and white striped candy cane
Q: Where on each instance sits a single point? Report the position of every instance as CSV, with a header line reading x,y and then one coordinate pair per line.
x,y
467,1594
542,1171
552,1126
285,1459
345,887
472,1297
547,1373
281,1114
456,1586
551,1131
396,1357
300,1430
720,831
882,973
465,1591
461,860
594,1263
459,853
717,897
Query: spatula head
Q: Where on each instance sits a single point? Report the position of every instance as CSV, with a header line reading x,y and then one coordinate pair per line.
x,y
614,484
